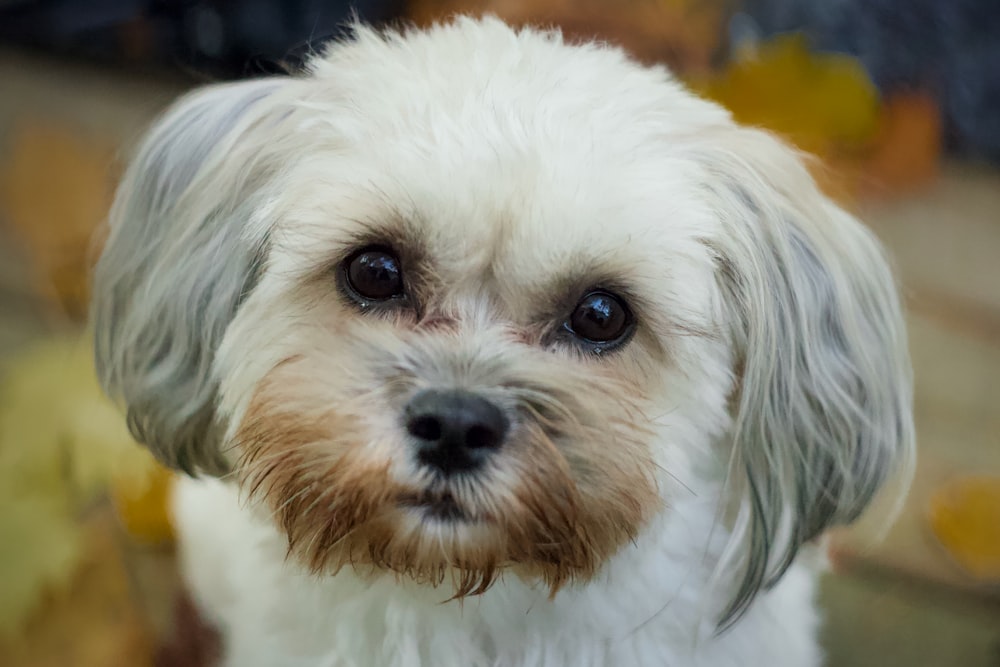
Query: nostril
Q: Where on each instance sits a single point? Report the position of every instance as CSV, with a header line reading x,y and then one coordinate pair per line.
x,y
425,427
480,436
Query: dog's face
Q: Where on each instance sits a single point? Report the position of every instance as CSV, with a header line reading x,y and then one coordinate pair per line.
x,y
469,301
422,380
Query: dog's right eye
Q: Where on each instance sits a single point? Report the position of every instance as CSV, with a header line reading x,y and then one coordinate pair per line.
x,y
374,274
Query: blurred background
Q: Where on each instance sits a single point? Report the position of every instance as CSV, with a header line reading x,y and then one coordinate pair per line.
x,y
900,99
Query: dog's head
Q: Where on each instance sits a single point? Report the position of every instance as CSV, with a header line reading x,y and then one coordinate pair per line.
x,y
470,299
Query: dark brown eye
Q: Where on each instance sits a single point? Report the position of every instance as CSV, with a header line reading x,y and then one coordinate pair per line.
x,y
374,274
600,317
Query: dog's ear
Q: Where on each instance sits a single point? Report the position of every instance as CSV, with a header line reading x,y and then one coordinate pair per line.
x,y
823,400
178,259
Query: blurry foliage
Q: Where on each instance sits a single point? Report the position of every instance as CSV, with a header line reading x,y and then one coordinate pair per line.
x,y
62,445
55,189
946,49
965,516
94,618
824,103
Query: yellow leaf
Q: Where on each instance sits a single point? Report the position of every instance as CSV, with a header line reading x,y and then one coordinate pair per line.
x,y
142,504
39,549
965,517
824,103
61,444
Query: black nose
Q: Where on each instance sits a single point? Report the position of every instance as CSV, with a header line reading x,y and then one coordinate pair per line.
x,y
455,430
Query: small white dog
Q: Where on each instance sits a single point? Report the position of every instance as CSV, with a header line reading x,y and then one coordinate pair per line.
x,y
489,349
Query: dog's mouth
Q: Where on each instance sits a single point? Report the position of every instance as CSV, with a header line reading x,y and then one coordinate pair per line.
x,y
441,506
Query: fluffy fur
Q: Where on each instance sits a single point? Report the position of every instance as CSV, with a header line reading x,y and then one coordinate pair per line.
x,y
652,504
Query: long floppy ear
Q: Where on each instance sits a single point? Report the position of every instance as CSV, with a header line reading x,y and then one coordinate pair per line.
x,y
823,404
177,262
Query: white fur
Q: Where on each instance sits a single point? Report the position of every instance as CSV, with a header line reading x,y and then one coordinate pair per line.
x,y
648,608
771,360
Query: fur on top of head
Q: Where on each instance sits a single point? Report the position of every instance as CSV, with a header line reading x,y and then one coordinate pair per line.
x,y
509,176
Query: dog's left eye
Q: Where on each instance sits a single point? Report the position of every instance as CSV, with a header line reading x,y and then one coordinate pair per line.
x,y
601,318
374,274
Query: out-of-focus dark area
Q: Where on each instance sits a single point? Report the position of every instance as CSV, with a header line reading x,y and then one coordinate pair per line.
x,y
900,100
224,38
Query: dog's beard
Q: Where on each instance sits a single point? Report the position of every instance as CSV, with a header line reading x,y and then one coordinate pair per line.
x,y
569,488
